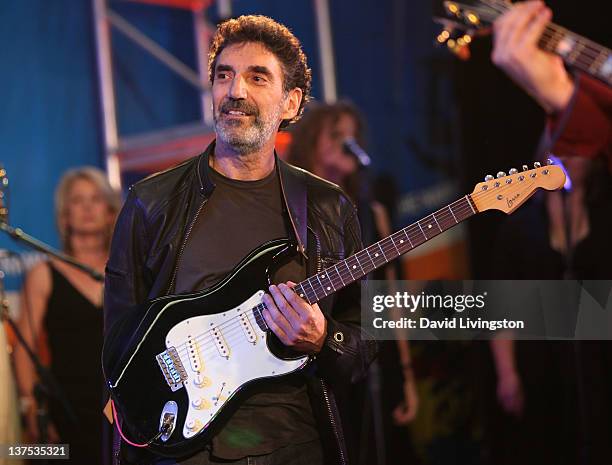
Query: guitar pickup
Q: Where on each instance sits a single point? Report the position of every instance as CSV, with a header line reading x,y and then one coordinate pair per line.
x,y
219,341
172,368
249,332
194,355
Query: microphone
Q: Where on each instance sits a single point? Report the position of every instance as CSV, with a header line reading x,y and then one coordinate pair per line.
x,y
351,147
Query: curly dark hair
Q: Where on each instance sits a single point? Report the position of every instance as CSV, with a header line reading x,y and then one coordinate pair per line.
x,y
278,39
305,136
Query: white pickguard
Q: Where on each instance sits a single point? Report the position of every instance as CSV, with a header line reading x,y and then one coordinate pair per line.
x,y
220,353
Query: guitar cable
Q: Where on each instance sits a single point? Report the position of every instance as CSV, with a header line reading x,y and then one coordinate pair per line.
x,y
164,428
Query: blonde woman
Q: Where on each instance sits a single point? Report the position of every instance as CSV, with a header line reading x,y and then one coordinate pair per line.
x,y
65,305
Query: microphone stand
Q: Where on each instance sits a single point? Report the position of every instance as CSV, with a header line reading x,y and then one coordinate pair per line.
x,y
584,450
20,236
369,235
47,386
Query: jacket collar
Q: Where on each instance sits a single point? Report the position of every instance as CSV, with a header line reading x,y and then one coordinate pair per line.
x,y
293,190
206,184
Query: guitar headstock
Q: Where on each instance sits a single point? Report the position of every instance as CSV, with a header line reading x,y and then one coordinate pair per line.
x,y
463,21
508,192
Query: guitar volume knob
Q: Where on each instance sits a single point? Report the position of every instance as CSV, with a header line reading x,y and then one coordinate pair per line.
x,y
201,381
197,403
194,425
201,404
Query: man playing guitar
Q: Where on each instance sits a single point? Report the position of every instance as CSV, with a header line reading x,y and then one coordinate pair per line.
x,y
185,229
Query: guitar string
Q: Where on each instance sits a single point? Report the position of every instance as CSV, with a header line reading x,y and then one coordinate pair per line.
x,y
389,249
414,227
502,6
591,55
442,214
586,53
231,323
553,30
232,332
227,326
226,334
205,348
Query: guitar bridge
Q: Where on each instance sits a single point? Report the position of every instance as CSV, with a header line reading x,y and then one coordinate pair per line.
x,y
172,368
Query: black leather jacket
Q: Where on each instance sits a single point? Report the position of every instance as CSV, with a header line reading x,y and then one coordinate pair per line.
x,y
151,232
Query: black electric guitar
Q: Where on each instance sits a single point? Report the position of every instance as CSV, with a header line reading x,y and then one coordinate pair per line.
x,y
478,17
192,355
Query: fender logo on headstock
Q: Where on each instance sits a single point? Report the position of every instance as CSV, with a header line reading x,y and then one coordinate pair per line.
x,y
511,201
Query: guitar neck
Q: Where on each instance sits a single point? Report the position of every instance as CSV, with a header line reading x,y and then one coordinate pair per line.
x,y
504,193
355,267
578,52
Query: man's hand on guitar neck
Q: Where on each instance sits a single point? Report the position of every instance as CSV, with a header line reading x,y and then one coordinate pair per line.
x,y
516,52
295,322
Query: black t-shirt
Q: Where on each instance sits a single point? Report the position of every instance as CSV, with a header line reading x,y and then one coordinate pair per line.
x,y
238,217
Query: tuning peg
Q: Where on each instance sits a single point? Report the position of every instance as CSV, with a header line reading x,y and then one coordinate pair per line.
x,y
537,164
549,161
488,178
512,171
452,8
472,18
525,168
501,174
444,36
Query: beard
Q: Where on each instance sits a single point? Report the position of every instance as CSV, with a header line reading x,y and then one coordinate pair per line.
x,y
245,135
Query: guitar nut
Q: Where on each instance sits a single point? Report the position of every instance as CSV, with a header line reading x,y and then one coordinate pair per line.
x,y
338,336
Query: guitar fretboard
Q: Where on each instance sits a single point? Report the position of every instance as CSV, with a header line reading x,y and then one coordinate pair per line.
x,y
579,52
356,266
382,252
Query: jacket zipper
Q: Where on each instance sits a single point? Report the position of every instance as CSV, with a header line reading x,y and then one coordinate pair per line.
x,y
330,414
319,266
116,448
332,420
183,245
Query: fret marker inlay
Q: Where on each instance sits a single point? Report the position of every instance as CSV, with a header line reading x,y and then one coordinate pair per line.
x,y
565,46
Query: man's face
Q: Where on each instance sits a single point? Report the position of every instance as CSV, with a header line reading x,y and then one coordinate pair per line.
x,y
248,97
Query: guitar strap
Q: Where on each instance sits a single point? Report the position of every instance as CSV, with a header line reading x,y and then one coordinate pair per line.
x,y
293,188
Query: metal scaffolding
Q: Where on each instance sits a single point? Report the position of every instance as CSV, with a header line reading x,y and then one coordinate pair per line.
x,y
155,149
159,149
